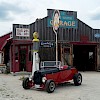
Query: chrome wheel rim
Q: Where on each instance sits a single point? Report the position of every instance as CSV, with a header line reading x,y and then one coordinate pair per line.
x,y
79,79
52,86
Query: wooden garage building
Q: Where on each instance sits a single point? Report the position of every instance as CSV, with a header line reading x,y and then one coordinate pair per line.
x,y
78,43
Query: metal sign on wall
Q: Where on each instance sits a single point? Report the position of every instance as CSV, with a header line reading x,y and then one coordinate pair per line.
x,y
47,44
97,35
66,20
23,32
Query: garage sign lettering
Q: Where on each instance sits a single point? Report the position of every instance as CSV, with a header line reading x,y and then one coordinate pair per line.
x,y
66,21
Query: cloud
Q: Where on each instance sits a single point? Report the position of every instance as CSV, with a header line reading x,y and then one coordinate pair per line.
x,y
95,14
8,10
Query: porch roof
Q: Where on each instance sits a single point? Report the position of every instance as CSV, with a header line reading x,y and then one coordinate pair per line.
x,y
4,39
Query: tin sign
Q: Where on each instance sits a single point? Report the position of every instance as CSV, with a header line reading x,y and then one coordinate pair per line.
x,y
46,44
66,21
56,19
22,32
97,35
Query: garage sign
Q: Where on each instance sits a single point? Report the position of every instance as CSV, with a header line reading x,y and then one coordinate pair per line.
x,y
66,21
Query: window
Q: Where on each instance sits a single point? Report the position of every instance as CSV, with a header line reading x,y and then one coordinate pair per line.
x,y
2,57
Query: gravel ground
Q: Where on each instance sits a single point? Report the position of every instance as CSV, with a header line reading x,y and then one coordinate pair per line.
x,y
11,89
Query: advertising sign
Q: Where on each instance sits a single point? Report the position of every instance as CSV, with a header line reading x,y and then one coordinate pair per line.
x,y
46,44
56,20
22,32
97,35
66,20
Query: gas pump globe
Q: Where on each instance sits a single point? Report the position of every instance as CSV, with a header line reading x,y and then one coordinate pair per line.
x,y
35,41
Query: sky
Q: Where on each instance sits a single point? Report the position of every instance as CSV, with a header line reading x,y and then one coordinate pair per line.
x,y
27,11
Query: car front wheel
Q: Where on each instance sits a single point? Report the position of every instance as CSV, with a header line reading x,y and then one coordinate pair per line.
x,y
26,83
50,86
77,79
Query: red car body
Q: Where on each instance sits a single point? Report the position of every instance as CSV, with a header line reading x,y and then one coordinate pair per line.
x,y
62,76
48,77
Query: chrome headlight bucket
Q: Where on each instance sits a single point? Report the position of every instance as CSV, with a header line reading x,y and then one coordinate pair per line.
x,y
44,79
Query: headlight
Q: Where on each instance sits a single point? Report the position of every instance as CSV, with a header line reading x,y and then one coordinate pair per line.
x,y
44,79
30,79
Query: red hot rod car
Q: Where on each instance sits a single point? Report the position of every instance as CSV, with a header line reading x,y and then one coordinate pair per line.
x,y
52,73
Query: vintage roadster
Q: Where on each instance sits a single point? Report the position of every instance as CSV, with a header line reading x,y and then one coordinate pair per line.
x,y
50,74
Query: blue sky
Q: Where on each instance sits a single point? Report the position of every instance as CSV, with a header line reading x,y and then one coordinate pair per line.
x,y
26,11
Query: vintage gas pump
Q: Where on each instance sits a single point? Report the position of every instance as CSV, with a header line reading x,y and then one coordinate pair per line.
x,y
35,41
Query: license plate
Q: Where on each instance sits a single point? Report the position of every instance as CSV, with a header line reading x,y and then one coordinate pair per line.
x,y
37,86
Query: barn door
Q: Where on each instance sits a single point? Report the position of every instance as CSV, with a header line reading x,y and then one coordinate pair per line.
x,y
66,56
95,62
23,60
98,57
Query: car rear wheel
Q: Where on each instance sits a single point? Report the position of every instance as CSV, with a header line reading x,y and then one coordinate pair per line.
x,y
50,86
77,79
25,83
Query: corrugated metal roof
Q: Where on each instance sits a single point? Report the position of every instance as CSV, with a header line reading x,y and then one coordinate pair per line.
x,y
3,40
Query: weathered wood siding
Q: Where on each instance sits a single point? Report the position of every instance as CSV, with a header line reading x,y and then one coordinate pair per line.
x,y
64,35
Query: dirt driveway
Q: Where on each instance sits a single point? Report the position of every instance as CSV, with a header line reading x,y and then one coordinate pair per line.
x,y
11,89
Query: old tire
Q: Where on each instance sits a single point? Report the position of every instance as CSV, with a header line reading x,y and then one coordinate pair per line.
x,y
77,79
50,86
25,83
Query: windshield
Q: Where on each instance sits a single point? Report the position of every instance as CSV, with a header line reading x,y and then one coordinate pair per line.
x,y
50,64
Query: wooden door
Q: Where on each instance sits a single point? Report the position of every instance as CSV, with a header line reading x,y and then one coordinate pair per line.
x,y
66,56
22,59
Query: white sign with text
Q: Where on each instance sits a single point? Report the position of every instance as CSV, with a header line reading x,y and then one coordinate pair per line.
x,y
23,32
